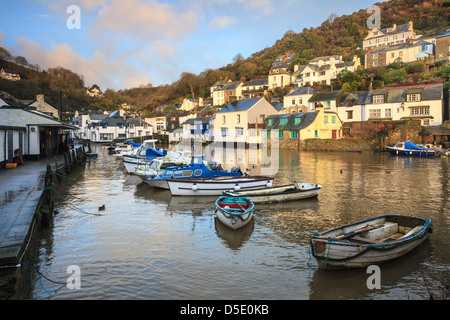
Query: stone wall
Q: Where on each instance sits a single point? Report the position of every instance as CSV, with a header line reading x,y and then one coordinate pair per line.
x,y
343,145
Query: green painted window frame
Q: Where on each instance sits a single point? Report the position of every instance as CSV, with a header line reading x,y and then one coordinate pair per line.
x,y
283,120
268,134
292,134
325,119
280,134
333,119
316,133
298,120
270,122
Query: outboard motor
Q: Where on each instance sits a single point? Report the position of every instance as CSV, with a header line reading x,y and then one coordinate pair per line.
x,y
236,169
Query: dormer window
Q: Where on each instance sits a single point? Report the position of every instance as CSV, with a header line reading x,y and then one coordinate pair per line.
x,y
379,98
414,97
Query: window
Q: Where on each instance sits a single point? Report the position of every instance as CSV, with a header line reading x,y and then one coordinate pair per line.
x,y
293,101
198,172
104,125
375,63
379,98
292,134
414,97
322,73
349,114
387,113
238,118
375,56
270,122
224,132
420,111
239,131
224,119
316,133
283,120
300,101
280,134
333,119
298,120
325,119
375,113
268,134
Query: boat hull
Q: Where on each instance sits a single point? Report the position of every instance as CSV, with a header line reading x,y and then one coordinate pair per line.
x,y
235,220
410,152
157,183
333,254
131,163
215,187
297,191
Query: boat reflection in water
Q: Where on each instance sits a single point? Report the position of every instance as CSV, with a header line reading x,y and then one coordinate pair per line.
x,y
234,239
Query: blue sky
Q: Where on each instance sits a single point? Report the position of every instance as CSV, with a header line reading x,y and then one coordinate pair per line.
x,y
122,44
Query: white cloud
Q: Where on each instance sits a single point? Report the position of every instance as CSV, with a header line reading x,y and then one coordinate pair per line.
x,y
219,23
101,67
145,21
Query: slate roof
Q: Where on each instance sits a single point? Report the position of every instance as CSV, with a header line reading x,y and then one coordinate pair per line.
x,y
395,94
239,105
10,71
399,47
325,96
300,91
307,119
257,82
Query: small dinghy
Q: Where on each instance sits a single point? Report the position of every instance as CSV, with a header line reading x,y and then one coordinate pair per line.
x,y
368,242
295,191
234,212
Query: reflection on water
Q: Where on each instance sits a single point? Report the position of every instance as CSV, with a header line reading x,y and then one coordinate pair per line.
x,y
150,245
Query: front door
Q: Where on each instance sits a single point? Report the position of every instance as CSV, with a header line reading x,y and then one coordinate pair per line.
x,y
334,134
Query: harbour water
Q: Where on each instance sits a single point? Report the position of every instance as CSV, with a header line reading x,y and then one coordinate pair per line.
x,y
149,245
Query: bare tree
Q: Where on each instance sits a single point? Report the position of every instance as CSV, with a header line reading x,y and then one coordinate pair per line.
x,y
332,17
5,54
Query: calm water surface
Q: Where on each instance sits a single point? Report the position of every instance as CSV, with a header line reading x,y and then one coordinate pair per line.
x,y
149,245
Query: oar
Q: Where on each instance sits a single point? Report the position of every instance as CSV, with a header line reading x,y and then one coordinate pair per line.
x,y
234,199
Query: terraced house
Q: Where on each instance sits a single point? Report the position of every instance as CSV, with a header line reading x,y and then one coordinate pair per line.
x,y
422,102
293,128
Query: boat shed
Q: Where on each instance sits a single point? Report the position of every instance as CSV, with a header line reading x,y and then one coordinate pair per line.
x,y
30,134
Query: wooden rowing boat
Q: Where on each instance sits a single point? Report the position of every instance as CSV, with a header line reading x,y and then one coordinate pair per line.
x,y
216,185
234,212
367,242
295,191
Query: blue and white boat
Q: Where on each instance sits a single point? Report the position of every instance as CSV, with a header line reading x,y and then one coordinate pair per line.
x,y
410,149
144,154
198,168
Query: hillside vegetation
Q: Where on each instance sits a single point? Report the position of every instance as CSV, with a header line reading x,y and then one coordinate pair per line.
x,y
337,35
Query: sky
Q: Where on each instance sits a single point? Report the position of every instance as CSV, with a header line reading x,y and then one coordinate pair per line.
x,y
120,44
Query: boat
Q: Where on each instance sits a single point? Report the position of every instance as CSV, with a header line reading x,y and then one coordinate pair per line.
x,y
369,242
234,212
197,168
216,186
157,166
410,149
295,191
144,154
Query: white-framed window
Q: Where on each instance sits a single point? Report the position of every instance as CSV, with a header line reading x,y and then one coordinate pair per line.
x,y
375,63
420,111
414,97
375,113
378,98
387,113
239,131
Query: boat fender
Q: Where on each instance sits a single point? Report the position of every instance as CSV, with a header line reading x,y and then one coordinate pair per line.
x,y
194,187
269,184
236,187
